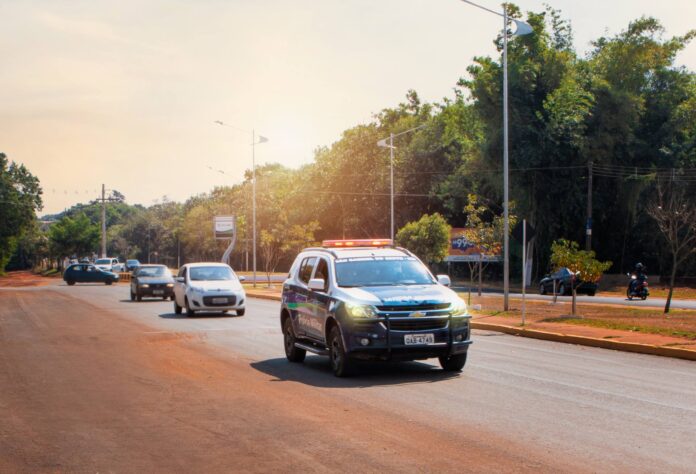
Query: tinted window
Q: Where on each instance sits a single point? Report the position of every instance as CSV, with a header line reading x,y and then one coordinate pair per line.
x,y
306,269
153,272
322,272
211,274
103,261
382,272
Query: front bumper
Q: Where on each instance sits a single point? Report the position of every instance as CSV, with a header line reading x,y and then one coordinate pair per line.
x,y
387,341
212,301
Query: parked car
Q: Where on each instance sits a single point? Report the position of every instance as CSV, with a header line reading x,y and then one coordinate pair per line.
x,y
109,264
152,280
132,264
563,279
366,299
88,273
208,287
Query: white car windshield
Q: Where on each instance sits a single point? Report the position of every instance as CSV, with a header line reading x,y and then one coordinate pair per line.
x,y
385,271
102,261
211,273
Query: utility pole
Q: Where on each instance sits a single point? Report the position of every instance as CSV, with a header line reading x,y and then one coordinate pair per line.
x,y
104,200
588,226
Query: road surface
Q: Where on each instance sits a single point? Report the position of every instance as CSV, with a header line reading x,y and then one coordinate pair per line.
x,y
618,300
90,381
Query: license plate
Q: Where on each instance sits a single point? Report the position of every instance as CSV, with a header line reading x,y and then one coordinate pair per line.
x,y
219,300
157,292
411,339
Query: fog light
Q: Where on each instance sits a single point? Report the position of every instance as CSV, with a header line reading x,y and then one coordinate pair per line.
x,y
364,341
459,337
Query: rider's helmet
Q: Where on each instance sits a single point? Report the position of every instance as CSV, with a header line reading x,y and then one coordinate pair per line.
x,y
640,267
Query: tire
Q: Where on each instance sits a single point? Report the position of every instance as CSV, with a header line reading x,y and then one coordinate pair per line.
x,y
340,363
453,363
138,296
132,295
542,289
644,297
70,282
294,354
590,293
629,295
240,312
189,312
561,289
108,282
177,308
171,297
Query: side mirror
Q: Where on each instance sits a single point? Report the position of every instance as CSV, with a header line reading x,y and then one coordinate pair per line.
x,y
444,280
317,284
242,278
181,279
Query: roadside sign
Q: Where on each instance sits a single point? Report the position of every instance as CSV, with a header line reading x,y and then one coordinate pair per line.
x,y
224,227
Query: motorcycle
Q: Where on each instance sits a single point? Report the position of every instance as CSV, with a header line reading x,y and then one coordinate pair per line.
x,y
637,287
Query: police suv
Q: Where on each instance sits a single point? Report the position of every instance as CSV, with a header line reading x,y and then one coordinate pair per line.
x,y
366,299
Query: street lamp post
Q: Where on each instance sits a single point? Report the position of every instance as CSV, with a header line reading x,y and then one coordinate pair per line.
x,y
261,139
383,143
522,29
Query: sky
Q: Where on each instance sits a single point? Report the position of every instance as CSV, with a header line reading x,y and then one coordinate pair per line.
x,y
127,92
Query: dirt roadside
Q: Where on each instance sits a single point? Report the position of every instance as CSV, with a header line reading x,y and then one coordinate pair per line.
x,y
82,389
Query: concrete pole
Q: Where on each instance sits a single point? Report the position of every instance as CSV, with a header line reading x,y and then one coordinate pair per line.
x,y
506,217
253,200
103,222
391,172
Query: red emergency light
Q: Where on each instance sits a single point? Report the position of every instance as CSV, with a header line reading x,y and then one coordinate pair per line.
x,y
358,243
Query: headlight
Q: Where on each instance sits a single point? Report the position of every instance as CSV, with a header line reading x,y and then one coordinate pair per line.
x,y
360,310
458,308
170,285
144,285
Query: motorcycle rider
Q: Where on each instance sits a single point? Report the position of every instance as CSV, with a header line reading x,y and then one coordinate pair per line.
x,y
639,272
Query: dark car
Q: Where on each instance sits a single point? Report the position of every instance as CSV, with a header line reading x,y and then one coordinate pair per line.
x,y
370,300
152,280
88,273
132,265
563,279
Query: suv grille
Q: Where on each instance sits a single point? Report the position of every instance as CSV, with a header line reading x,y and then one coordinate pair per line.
x,y
415,307
417,324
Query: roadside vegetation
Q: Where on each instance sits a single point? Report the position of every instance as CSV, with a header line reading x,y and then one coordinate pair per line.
x,y
625,110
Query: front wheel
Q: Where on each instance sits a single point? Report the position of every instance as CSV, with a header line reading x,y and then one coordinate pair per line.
x,y
70,282
189,311
294,354
453,363
542,289
629,295
340,363
132,295
240,312
177,308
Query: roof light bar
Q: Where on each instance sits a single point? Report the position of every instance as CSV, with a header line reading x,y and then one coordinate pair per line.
x,y
358,243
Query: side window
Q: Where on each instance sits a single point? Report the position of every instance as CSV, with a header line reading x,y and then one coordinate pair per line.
x,y
306,269
77,268
322,272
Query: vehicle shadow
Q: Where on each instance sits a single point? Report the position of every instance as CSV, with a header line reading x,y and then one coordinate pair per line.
x,y
316,371
197,316
148,300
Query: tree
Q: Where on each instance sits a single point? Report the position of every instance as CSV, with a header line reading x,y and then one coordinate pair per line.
x,y
582,264
73,236
675,215
20,198
429,238
486,231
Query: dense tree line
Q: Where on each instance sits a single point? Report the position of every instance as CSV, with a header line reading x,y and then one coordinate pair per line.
x,y
625,109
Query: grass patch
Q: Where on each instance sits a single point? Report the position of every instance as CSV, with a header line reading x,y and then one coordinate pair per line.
x,y
598,323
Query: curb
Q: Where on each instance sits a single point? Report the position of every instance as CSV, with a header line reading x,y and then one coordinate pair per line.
x,y
564,338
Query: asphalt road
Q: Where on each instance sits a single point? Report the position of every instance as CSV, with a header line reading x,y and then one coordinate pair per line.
x,y
598,299
216,393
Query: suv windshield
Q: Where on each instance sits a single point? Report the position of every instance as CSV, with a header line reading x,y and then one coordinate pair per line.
x,y
210,273
154,272
386,271
103,260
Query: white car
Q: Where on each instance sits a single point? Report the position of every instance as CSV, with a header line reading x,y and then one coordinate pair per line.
x,y
208,287
109,265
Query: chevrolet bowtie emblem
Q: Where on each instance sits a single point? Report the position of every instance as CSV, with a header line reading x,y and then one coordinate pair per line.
x,y
417,314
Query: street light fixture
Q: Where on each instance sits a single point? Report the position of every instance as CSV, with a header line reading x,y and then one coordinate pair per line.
x,y
261,139
522,29
383,143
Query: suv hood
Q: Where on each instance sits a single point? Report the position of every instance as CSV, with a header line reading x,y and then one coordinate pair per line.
x,y
401,295
149,280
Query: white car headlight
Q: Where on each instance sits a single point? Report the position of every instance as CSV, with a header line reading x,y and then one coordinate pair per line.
x,y
360,310
458,308
144,285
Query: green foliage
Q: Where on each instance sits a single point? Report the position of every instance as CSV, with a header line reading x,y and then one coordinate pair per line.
x,y
73,236
20,198
428,237
565,253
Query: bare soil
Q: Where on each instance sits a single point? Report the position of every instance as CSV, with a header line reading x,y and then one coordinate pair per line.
x,y
85,390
